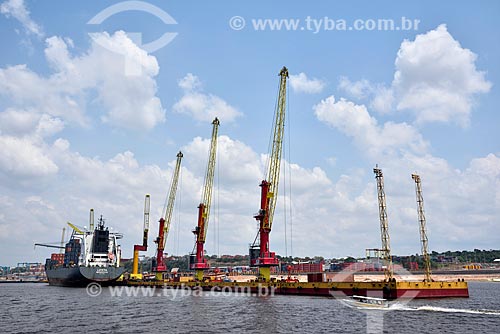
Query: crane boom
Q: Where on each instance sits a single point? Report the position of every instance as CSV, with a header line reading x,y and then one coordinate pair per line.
x,y
197,259
273,173
76,229
423,228
384,224
144,247
209,181
50,246
165,220
260,254
167,212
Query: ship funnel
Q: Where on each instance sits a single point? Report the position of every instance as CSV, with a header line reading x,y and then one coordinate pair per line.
x,y
91,220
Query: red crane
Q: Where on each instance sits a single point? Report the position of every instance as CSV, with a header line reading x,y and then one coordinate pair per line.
x,y
197,259
164,227
260,254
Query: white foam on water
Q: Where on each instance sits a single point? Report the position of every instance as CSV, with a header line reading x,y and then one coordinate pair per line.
x,y
456,310
428,308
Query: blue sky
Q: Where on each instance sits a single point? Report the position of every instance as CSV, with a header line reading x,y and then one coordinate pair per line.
x,y
79,131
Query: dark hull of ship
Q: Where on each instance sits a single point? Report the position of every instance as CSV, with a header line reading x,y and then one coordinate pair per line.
x,y
82,276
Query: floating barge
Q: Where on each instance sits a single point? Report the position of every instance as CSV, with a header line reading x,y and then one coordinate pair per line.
x,y
387,290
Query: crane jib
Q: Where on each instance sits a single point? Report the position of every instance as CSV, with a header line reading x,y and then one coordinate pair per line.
x,y
209,181
171,197
276,152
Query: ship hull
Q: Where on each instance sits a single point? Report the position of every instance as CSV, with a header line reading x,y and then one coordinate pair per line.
x,y
82,276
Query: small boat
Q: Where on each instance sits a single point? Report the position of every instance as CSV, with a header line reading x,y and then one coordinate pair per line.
x,y
367,302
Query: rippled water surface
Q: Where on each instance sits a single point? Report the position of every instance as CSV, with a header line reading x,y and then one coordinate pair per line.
x,y
39,308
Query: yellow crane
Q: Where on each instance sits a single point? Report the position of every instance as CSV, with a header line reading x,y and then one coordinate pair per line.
x,y
135,275
75,228
159,265
260,254
384,224
423,228
197,258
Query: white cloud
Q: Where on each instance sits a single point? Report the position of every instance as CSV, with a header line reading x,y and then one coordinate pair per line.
x,y
383,99
301,84
129,101
17,9
323,209
488,166
24,153
190,82
437,78
355,121
358,89
327,213
22,158
457,201
200,106
19,122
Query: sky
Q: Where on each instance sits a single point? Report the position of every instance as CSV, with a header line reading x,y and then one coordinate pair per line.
x,y
97,98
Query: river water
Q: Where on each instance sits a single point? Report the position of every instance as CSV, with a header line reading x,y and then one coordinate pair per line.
x,y
39,308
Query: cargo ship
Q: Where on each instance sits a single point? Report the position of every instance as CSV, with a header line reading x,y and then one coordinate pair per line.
x,y
89,256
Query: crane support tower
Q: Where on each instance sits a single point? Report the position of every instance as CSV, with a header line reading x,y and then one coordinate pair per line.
x,y
197,259
144,247
62,240
159,265
423,228
384,224
260,254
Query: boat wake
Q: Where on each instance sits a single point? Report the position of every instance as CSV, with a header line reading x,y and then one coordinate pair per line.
x,y
428,308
